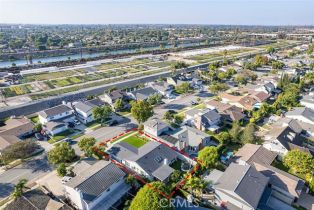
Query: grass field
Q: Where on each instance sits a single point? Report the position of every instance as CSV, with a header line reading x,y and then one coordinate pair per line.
x,y
136,140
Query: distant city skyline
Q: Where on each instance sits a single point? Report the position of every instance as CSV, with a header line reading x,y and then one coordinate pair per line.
x,y
226,12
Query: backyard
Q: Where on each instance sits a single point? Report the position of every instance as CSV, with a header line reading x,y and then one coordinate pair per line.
x,y
136,140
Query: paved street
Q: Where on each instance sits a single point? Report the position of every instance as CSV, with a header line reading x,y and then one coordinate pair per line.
x,y
39,166
181,102
30,170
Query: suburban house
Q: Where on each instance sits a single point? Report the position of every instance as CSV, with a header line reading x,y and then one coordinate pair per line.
x,y
229,113
308,101
99,187
302,114
53,128
175,81
268,88
143,94
281,139
151,160
285,187
113,96
297,126
190,140
163,88
155,127
20,127
239,187
203,119
36,199
14,130
245,100
57,113
84,109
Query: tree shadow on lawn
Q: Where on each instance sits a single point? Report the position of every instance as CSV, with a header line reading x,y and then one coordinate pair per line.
x,y
5,189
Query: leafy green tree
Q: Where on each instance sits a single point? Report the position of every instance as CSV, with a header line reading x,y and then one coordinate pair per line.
x,y
230,72
262,112
118,104
277,65
19,188
18,150
195,185
141,111
169,115
61,153
312,65
183,88
208,156
235,132
261,60
86,144
178,119
62,170
299,162
102,113
270,50
240,79
154,99
248,135
218,87
38,127
223,137
148,199
222,75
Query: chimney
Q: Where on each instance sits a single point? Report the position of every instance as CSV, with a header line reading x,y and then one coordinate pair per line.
x,y
165,161
198,122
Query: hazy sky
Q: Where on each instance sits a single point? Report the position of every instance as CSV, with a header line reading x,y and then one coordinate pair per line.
x,y
262,12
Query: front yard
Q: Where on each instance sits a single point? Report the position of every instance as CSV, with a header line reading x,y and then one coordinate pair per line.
x,y
60,136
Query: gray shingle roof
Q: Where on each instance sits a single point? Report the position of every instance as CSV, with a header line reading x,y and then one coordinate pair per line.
x,y
143,94
302,111
82,106
7,140
33,200
281,179
255,153
17,127
96,179
211,115
191,136
156,124
54,111
150,156
244,181
163,172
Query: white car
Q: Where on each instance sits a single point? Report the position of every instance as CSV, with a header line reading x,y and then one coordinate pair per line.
x,y
65,179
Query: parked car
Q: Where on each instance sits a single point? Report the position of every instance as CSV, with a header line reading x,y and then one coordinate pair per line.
x,y
193,103
114,122
71,125
69,140
76,122
39,136
65,179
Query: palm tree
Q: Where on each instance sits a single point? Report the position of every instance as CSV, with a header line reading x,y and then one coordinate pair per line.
x,y
19,187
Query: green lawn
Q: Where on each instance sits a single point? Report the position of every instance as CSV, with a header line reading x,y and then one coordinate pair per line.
x,y
136,141
34,119
60,136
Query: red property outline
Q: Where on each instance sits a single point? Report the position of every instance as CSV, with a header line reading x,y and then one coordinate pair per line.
x,y
138,177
